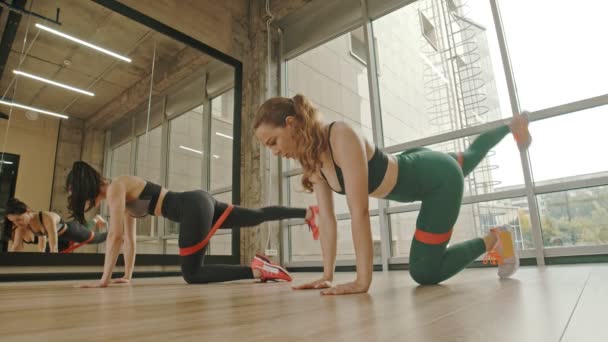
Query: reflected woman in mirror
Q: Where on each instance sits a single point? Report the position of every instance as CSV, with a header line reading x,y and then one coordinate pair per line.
x,y
199,215
25,226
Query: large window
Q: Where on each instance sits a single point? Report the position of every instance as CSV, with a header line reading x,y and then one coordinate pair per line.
x,y
571,146
440,73
475,220
556,49
438,65
186,159
575,217
221,164
121,160
185,149
148,167
500,170
335,80
299,198
120,165
148,162
222,108
334,77
221,242
304,248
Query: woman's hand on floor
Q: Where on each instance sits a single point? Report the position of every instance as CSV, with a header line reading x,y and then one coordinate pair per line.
x,y
347,288
93,285
122,280
317,284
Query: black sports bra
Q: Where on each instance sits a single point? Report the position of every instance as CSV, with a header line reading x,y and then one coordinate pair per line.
x,y
376,168
60,226
145,202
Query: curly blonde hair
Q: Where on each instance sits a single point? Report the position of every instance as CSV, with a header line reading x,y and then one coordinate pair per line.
x,y
311,138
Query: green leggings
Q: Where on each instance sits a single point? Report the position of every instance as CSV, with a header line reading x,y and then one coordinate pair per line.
x,y
437,179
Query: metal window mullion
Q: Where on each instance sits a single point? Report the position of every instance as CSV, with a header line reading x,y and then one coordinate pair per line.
x,y
107,169
399,260
570,107
206,138
576,250
526,253
284,198
133,152
497,196
448,136
571,185
206,135
525,157
319,263
220,191
107,165
339,217
164,169
542,114
377,131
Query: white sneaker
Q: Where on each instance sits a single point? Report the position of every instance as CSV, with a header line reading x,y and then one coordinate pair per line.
x,y
504,253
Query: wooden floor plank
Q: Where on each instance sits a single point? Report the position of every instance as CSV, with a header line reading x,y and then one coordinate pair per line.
x,y
473,306
588,322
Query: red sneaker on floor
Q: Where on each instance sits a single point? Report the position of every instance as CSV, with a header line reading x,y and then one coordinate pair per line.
x,y
312,224
269,270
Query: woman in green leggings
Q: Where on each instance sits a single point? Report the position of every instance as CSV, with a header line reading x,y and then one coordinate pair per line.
x,y
336,158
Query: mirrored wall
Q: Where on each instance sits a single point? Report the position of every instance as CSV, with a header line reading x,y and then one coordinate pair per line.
x,y
82,81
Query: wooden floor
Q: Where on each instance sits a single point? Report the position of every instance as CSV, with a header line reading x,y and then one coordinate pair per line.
x,y
557,303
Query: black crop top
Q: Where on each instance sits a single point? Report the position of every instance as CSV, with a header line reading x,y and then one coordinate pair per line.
x,y
376,168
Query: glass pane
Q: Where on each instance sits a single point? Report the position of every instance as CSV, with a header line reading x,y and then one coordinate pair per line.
x,y
575,217
148,246
570,146
439,69
171,228
121,160
225,197
148,166
186,160
335,80
148,162
474,221
500,170
556,49
299,198
222,108
186,151
171,247
221,242
304,248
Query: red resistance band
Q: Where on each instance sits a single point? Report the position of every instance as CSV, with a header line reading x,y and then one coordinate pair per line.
x,y
432,238
193,249
78,245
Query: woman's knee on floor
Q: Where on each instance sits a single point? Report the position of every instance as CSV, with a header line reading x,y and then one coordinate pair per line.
x,y
424,274
425,262
193,275
192,269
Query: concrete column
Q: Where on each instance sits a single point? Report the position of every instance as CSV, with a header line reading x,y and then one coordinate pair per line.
x,y
256,191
